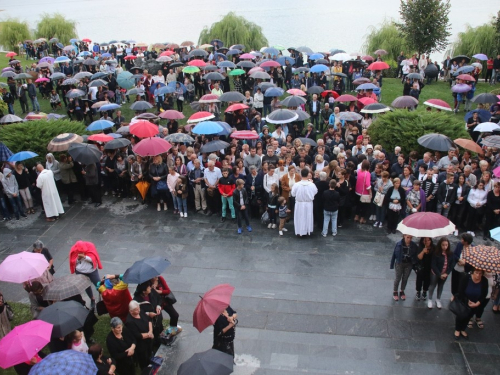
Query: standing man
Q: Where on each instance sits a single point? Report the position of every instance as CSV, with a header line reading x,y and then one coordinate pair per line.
x,y
196,178
8,99
240,201
496,70
21,95
32,95
50,196
288,75
325,117
304,192
212,175
401,58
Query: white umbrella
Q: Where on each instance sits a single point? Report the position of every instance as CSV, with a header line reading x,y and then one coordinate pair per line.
x,y
341,57
486,127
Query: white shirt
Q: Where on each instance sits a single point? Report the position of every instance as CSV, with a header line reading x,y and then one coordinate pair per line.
x,y
212,176
159,78
93,93
270,180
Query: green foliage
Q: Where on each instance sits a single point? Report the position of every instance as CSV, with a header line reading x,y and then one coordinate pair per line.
x,y
233,29
403,128
36,135
425,26
14,31
3,107
387,37
496,21
56,26
481,39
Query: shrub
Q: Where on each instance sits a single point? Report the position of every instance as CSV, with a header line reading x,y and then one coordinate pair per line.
x,y
36,135
403,128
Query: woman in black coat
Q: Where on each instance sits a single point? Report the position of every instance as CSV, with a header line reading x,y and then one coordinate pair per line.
x,y
140,326
150,302
395,203
121,345
458,209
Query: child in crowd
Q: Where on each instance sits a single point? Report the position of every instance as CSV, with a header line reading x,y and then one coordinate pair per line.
x,y
272,205
283,212
181,189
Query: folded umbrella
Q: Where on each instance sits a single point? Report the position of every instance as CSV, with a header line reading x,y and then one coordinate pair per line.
x,y
64,316
426,224
85,153
64,363
435,141
142,187
21,267
486,258
145,269
211,305
210,362
151,147
213,146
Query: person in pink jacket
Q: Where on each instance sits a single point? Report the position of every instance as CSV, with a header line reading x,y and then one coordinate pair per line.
x,y
363,188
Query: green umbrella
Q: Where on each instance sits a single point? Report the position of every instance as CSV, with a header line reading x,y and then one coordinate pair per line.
x,y
236,72
280,47
125,80
191,69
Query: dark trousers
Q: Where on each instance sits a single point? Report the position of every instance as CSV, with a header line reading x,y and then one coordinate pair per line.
x,y
172,313
490,223
242,214
457,214
94,193
214,201
24,105
392,219
455,280
461,324
423,280
70,189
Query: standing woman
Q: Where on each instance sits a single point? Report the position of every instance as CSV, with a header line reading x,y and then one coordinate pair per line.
x,y
492,210
407,178
4,317
426,249
160,285
345,201
179,95
381,186
53,165
23,182
441,265
458,209
84,259
121,346
158,172
403,259
415,199
363,189
225,331
477,202
141,328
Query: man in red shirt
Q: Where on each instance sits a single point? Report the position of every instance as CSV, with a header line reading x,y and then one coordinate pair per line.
x,y
489,69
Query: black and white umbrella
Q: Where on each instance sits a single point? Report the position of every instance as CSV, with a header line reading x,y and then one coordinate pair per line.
x,y
436,141
282,116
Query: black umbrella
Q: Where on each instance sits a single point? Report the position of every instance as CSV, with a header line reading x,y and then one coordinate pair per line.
x,y
282,116
65,316
485,98
214,76
233,52
323,61
232,96
436,141
117,143
293,101
97,76
145,269
141,106
75,93
210,362
198,53
339,75
375,108
219,42
302,69
210,68
415,76
85,153
57,75
303,115
315,90
214,146
305,50
266,85
245,64
459,58
137,69
431,71
89,62
241,47
308,141
176,65
404,101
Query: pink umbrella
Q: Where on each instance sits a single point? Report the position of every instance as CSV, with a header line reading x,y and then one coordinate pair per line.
x,y
198,63
256,69
23,342
270,63
496,172
296,92
212,304
22,267
426,224
200,116
143,129
172,114
247,56
438,103
346,98
244,134
43,79
152,147
367,101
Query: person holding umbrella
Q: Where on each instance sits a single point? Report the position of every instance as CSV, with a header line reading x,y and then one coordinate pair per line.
x,y
159,284
225,331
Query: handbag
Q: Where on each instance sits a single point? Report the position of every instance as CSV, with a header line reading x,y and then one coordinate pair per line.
x,y
10,312
395,207
181,98
170,298
100,308
460,309
379,199
265,218
366,198
161,185
418,267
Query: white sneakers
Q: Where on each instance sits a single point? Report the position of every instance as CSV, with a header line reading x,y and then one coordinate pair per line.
x,y
158,206
285,230
183,214
269,226
375,224
281,232
274,226
438,304
430,305
472,233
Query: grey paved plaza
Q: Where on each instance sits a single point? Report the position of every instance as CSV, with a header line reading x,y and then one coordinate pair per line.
x,y
314,305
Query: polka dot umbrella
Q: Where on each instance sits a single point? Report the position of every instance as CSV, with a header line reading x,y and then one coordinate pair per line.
x,y
485,258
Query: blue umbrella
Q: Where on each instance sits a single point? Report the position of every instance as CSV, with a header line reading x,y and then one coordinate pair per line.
x,y
217,55
114,135
85,53
316,56
125,80
367,86
207,127
109,107
227,128
60,45
318,68
480,56
100,125
283,59
271,51
173,85
226,64
5,153
495,233
464,69
274,91
97,75
154,87
233,52
166,90
61,59
73,40
65,362
483,114
113,41
145,269
106,54
23,155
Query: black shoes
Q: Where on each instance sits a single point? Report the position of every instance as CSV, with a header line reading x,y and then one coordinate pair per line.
x,y
222,219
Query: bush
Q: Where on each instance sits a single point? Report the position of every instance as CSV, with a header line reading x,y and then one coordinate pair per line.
x,y
36,135
403,128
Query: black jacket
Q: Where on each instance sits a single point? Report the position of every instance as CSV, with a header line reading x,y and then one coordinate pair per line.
x,y
462,287
192,177
437,263
236,198
331,200
402,193
447,193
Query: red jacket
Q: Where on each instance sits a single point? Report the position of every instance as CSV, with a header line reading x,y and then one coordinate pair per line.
x,y
226,186
86,248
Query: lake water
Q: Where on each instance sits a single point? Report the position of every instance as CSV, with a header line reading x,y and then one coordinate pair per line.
x,y
320,25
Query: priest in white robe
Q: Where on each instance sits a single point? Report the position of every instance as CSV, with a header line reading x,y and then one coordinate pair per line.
x,y
304,192
50,196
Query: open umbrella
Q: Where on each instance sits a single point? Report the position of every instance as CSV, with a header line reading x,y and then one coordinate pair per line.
x,y
260,75
274,91
266,85
366,101
303,115
179,138
346,98
145,269
378,65
245,64
152,147
5,153
22,155
63,141
75,93
103,138
244,134
171,114
200,116
487,127
117,143
64,316
214,76
10,119
64,363
293,101
100,125
461,88
141,106
236,107
65,287
226,128
147,116
367,86
435,141
226,64
315,90
209,98
23,342
213,146
415,76
360,81
309,141
85,153
21,267
296,92
466,77
207,127
144,129
211,305
282,116
426,224
484,98
491,141
438,103
486,258
210,362
469,145
349,116
232,96
483,114
404,101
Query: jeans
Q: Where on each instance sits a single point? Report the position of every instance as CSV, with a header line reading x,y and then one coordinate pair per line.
x,y
244,214
182,204
442,210
17,206
380,213
267,109
327,217
225,202
493,80
94,278
436,280
174,199
11,108
34,102
3,206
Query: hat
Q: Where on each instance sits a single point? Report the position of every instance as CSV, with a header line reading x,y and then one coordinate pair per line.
x,y
6,171
341,145
369,146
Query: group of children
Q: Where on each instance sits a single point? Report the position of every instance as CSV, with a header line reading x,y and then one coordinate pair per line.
x,y
276,205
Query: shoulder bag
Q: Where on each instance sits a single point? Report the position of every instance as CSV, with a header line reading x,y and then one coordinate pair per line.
x,y
162,184
365,198
459,308
379,198
10,312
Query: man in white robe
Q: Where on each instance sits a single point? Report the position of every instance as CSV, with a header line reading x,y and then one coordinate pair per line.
x,y
50,196
304,192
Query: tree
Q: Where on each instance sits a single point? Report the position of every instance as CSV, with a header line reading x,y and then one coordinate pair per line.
x,y
233,29
481,39
14,31
387,37
425,26
56,26
497,28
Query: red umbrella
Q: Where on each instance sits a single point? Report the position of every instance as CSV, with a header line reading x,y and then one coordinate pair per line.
x,y
244,134
366,101
378,65
144,129
130,57
152,147
296,92
212,304
209,98
167,53
426,224
172,114
10,54
270,63
367,58
438,103
466,77
256,69
200,116
101,137
326,92
198,63
86,40
346,98
236,107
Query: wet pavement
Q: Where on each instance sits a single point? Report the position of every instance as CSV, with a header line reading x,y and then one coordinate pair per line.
x,y
312,305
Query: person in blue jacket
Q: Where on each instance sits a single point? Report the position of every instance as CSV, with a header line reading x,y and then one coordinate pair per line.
x,y
403,258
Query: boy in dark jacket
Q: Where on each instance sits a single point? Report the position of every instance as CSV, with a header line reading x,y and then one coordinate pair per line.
x,y
331,203
446,195
240,201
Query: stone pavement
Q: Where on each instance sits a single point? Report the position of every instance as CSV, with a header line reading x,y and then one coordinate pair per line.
x,y
315,305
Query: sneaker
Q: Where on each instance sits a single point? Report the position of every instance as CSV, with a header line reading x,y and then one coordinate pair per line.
x,y
424,296
380,225
281,233
339,225
375,224
402,296
323,234
417,296
455,233
473,234
430,305
158,207
185,214
249,228
438,304
285,230
269,226
24,216
222,219
181,214
334,234
239,230
274,226
105,193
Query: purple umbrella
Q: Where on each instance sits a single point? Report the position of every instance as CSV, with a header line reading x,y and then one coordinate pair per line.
x,y
405,101
461,88
481,56
8,69
47,59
